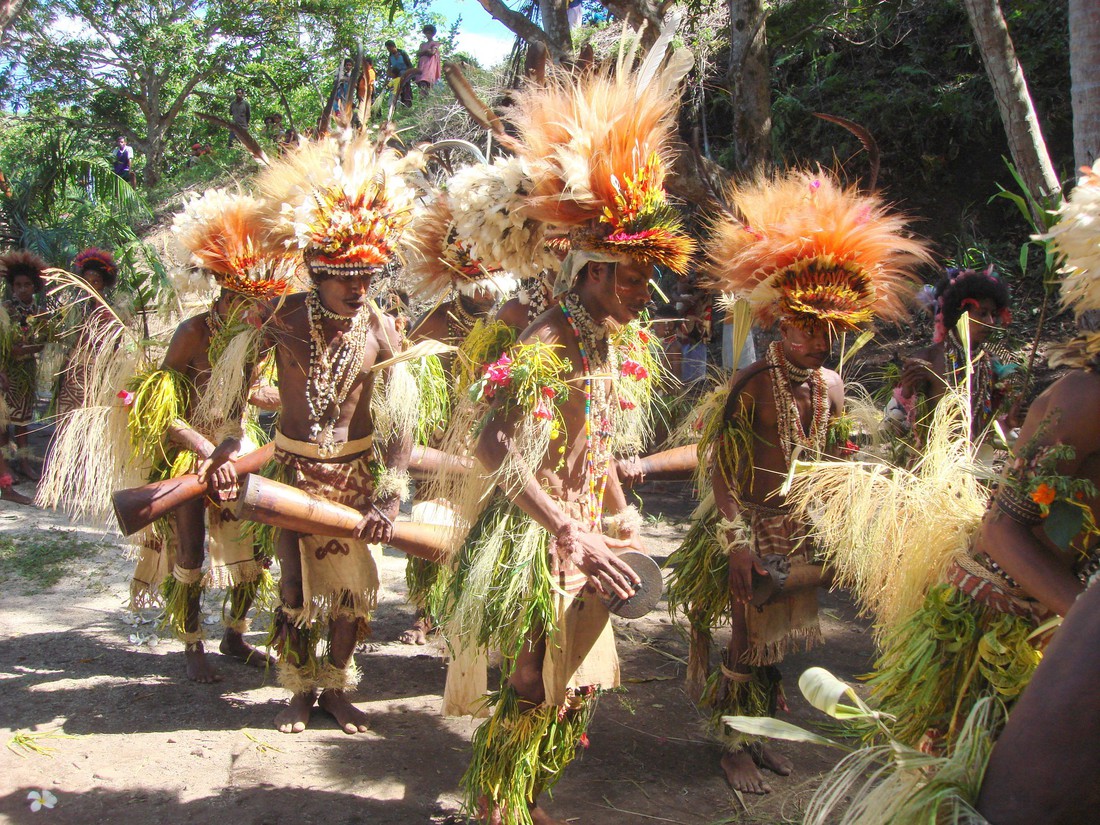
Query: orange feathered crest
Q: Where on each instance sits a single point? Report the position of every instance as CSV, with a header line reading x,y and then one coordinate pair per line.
x,y
811,250
226,236
597,146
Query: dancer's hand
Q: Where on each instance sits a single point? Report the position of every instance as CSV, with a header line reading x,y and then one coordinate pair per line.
x,y
376,527
630,471
742,565
220,470
610,575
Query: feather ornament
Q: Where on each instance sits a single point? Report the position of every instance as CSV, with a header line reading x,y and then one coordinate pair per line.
x,y
1077,237
809,249
343,201
597,146
224,234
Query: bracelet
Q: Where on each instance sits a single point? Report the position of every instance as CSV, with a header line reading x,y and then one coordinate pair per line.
x,y
624,524
722,530
1021,510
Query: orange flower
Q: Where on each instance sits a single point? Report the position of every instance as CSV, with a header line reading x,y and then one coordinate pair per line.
x,y
1043,494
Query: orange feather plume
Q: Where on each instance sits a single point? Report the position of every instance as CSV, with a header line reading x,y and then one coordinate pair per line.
x,y
597,146
225,235
809,249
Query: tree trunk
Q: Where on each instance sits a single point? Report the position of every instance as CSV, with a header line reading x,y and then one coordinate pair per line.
x,y
556,25
1084,70
1021,124
749,82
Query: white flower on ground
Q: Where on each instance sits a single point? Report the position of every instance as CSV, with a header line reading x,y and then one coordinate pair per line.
x,y
41,799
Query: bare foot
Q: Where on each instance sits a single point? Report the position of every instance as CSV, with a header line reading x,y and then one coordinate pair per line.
x,y
233,644
15,497
540,817
198,669
295,717
336,704
742,773
771,760
418,633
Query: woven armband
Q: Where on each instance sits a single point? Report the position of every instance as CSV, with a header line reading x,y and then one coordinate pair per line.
x,y
1017,507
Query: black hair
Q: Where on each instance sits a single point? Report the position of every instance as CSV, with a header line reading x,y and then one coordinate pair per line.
x,y
429,30
390,43
958,285
18,268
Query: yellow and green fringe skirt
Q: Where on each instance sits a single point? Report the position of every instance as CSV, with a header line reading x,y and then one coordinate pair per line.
x,y
520,753
501,589
937,665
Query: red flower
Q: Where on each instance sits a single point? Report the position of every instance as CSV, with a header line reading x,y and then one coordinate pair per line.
x,y
849,449
584,741
626,404
499,373
633,369
542,412
548,392
643,336
126,397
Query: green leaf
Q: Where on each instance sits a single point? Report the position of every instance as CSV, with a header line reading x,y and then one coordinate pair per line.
x,y
777,729
1063,523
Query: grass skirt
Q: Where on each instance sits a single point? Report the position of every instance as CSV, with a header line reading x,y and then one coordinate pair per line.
x,y
520,753
951,653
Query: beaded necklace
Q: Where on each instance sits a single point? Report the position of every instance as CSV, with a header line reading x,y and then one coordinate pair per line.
x,y
597,406
981,390
789,420
332,370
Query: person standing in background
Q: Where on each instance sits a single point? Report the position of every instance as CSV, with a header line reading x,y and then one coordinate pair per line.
x,y
240,113
429,66
124,158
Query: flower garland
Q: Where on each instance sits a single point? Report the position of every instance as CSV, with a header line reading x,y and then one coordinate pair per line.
x,y
791,432
332,373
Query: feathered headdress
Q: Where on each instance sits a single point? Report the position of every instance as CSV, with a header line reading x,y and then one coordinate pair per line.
x,y
96,258
20,262
489,203
810,250
226,238
440,258
597,147
343,203
1077,237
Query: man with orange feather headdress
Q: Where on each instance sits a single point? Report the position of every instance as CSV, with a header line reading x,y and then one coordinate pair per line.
x,y
532,572
343,205
817,259
199,396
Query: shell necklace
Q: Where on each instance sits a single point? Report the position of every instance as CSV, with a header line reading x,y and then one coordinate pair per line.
x,y
333,370
789,420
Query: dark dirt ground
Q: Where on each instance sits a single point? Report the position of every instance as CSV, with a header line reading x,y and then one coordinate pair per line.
x,y
141,744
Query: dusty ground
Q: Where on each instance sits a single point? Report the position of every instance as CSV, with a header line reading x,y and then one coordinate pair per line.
x,y
133,741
